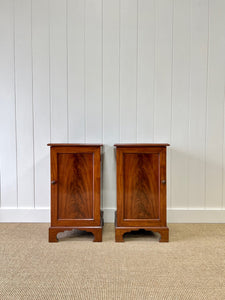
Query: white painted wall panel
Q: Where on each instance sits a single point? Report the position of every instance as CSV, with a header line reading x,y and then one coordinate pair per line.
x,y
41,101
146,70
58,71
93,70
111,97
180,104
128,70
24,103
113,71
197,106
76,70
8,164
163,77
163,71
215,105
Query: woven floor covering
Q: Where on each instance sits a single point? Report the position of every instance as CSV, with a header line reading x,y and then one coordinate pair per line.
x,y
190,266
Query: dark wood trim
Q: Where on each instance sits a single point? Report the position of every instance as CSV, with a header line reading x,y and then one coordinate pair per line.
x,y
75,145
53,231
141,145
163,231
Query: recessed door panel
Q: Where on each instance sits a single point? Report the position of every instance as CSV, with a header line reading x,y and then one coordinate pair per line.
x,y
141,186
75,186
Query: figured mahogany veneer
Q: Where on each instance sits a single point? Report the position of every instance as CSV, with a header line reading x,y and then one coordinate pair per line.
x,y
75,189
141,189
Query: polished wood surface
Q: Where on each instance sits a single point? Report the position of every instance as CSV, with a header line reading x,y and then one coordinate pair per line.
x,y
141,186
75,201
141,189
140,145
96,231
75,189
73,145
163,231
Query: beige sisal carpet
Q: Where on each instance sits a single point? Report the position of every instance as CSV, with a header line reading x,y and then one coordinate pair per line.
x,y
190,266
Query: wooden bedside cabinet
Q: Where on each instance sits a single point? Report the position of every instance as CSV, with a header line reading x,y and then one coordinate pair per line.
x,y
75,189
141,189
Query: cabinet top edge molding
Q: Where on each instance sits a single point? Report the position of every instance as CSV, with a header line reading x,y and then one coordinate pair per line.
x,y
141,145
74,145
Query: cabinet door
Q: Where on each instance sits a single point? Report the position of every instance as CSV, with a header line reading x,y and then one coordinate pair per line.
x,y
141,186
75,175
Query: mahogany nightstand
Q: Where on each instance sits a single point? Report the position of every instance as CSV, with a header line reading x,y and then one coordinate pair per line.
x,y
141,189
76,189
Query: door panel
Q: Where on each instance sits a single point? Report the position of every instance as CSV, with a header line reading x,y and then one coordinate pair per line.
x,y
141,186
75,185
75,192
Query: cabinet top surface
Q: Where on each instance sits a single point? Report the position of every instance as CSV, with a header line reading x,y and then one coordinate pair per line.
x,y
141,145
74,145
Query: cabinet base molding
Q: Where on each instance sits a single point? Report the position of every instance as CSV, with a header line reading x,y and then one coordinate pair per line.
x,y
163,231
97,232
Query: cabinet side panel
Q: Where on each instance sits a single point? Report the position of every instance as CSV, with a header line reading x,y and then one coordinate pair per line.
x,y
163,206
141,186
75,186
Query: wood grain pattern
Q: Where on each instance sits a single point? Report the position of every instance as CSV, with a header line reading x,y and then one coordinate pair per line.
x,y
130,145
141,186
75,189
96,231
141,189
74,145
75,185
163,231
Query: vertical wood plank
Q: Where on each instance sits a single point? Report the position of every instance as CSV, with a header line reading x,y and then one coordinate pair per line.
x,y
76,82
8,170
24,103
223,165
163,78
128,70
163,57
110,97
93,70
113,65
145,71
180,104
58,70
197,110
215,105
41,100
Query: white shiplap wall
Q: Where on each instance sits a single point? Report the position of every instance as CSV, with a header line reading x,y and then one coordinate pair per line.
x,y
113,71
